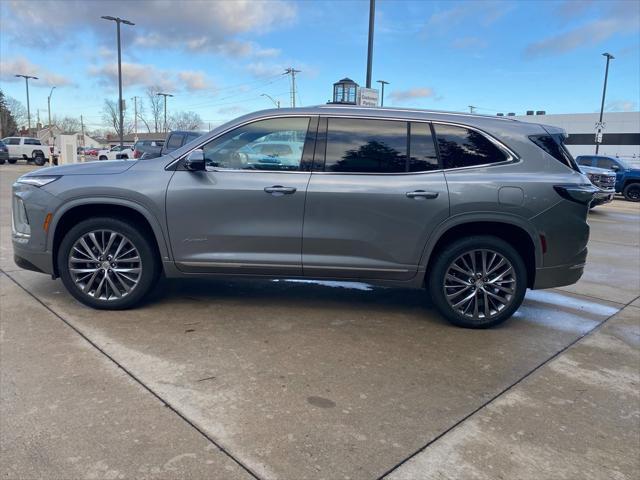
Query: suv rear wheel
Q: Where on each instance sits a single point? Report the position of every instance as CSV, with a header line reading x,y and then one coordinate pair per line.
x,y
632,192
107,263
478,282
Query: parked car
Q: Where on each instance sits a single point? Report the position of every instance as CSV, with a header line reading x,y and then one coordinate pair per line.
x,y
92,152
605,180
28,148
177,139
116,153
4,153
476,209
627,173
150,148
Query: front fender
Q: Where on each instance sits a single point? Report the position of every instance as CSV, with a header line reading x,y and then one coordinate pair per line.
x,y
158,231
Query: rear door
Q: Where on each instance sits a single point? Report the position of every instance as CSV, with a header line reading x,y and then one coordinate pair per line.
x,y
376,193
244,214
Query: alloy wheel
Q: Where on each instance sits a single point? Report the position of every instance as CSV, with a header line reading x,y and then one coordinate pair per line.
x,y
105,265
480,284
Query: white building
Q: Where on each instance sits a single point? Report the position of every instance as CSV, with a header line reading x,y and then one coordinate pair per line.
x,y
621,134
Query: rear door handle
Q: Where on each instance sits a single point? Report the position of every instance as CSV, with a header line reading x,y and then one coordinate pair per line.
x,y
422,194
278,190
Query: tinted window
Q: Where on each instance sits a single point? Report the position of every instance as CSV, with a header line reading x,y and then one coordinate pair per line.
x,y
604,163
175,141
584,161
12,141
423,156
462,147
259,146
191,136
554,146
31,141
366,146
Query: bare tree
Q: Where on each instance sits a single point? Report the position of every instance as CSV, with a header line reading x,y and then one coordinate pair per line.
x,y
185,121
111,118
67,124
141,116
18,111
156,108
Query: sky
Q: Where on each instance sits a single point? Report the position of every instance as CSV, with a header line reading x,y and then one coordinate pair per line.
x,y
218,57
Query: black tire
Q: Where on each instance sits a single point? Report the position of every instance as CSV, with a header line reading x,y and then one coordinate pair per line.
x,y
149,264
632,192
102,157
449,254
12,160
2,161
39,160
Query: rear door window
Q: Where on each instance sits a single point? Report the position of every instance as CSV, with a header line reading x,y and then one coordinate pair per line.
x,y
366,146
463,147
175,141
12,141
422,149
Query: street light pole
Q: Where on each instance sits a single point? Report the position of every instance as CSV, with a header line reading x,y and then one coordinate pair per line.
x,y
604,93
165,95
26,81
118,21
372,14
383,83
275,102
49,105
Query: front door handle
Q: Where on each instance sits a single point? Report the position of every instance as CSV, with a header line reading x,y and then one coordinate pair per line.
x,y
278,190
422,194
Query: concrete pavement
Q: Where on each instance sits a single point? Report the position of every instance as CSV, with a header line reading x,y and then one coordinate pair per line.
x,y
299,380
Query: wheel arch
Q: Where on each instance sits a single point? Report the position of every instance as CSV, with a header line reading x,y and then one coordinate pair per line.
x,y
511,229
74,212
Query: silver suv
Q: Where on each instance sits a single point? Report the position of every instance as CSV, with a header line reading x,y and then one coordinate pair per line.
x,y
476,209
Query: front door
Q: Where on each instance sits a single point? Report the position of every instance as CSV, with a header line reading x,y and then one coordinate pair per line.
x,y
244,214
375,201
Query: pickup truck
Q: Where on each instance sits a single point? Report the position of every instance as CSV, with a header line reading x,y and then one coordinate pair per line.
x,y
116,153
28,148
627,173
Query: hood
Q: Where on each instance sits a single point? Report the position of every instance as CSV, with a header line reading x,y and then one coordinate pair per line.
x,y
596,170
104,167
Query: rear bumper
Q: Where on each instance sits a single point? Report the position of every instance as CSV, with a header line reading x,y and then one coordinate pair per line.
x,y
561,275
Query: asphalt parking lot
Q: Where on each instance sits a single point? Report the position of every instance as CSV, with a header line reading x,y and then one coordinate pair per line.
x,y
298,380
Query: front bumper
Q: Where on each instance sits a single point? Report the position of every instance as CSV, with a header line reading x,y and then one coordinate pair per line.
x,y
601,198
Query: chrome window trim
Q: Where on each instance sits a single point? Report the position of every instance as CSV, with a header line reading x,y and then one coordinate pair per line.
x,y
252,120
512,157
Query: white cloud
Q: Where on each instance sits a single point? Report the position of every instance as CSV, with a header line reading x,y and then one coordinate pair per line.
x,y
621,106
400,96
485,13
20,65
621,17
195,81
190,25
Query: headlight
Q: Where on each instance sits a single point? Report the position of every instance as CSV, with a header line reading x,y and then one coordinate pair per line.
x,y
38,181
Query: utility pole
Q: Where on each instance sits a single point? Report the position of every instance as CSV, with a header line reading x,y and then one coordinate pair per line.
x,y
165,95
600,125
82,129
135,118
26,81
383,83
118,21
292,71
372,15
471,108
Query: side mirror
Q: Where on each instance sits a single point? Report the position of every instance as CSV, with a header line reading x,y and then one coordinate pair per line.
x,y
195,161
615,167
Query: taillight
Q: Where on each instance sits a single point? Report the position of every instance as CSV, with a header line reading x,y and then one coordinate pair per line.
x,y
579,193
137,154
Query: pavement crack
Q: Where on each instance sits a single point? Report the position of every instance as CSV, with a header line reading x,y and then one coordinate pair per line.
x,y
502,392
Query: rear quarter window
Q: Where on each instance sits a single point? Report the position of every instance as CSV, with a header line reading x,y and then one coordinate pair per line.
x,y
175,141
462,147
554,146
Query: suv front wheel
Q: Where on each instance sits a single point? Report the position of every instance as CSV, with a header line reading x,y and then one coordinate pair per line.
x,y
632,192
107,263
478,282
